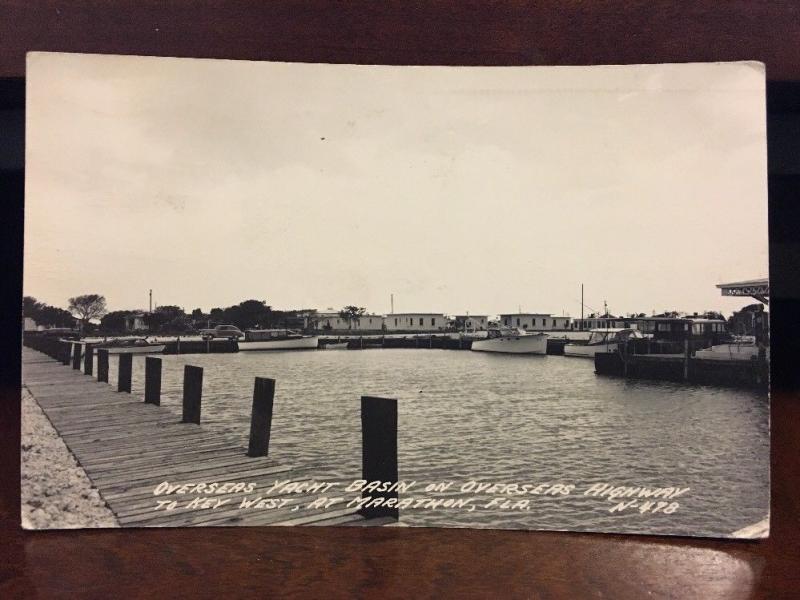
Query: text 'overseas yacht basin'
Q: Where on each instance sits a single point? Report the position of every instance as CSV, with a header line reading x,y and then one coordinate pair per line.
x,y
512,341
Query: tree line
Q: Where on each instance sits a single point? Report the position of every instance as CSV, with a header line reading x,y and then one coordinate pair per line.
x,y
88,308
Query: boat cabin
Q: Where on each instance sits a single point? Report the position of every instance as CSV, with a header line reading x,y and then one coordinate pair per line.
x,y
612,335
262,335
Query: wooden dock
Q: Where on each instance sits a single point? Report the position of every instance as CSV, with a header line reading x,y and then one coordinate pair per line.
x,y
128,447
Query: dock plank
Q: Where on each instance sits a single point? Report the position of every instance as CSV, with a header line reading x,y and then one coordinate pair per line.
x,y
127,448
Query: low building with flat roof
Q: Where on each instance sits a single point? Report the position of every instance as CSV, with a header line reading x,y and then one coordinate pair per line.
x,y
415,322
535,321
334,322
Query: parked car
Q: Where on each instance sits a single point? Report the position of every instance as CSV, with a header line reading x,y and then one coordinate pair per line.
x,y
230,332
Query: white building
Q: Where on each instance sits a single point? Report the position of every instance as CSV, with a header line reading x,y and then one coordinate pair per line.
x,y
535,321
416,322
333,321
597,322
29,324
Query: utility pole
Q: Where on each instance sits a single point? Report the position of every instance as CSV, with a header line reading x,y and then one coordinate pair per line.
x,y
391,299
581,306
151,300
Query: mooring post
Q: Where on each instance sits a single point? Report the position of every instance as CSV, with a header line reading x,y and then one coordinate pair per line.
x,y
261,417
152,380
379,452
76,356
192,393
88,359
686,359
124,372
66,352
102,365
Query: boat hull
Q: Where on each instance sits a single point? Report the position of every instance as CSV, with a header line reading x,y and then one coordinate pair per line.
x,y
154,349
512,344
729,352
588,351
304,343
337,346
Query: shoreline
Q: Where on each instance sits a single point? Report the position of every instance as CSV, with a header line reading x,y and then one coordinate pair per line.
x,y
56,493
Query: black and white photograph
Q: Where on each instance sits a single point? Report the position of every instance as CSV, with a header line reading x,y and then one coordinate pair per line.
x,y
264,293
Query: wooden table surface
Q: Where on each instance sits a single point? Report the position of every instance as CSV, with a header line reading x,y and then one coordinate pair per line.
x,y
404,562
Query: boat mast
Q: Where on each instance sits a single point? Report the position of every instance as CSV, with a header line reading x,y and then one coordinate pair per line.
x,y
581,306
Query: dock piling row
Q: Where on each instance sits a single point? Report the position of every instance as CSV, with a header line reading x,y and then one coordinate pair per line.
x,y
378,415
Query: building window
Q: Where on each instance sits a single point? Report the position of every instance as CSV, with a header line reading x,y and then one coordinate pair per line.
x,y
420,322
395,322
433,321
517,321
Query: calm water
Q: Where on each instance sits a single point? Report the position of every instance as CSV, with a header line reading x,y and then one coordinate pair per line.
x,y
505,419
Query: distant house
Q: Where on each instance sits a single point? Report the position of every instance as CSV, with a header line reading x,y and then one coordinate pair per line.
x,y
416,322
598,322
333,321
135,322
29,324
535,321
471,322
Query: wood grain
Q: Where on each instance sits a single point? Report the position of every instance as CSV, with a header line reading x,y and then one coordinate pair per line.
x,y
472,32
404,562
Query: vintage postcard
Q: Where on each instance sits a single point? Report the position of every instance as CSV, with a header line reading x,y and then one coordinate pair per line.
x,y
314,294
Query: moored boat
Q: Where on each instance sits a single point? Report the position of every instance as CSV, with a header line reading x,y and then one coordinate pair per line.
x,y
512,341
337,346
131,346
602,340
277,339
732,352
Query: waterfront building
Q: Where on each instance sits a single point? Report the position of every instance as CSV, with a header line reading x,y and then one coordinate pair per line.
x,y
598,322
332,321
535,321
415,322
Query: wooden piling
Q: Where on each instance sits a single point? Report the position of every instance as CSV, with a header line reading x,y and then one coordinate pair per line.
x,y
192,393
66,351
88,359
125,372
686,359
102,365
152,380
76,356
261,417
379,451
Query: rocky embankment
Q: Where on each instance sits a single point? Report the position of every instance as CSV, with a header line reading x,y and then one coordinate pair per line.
x,y
56,493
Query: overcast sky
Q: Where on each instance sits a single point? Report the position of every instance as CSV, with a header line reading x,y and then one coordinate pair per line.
x,y
485,190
